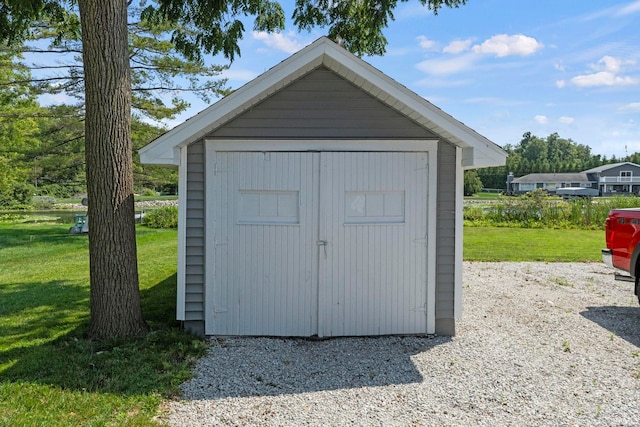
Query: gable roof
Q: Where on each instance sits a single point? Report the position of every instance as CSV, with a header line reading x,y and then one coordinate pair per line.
x,y
610,166
534,178
478,151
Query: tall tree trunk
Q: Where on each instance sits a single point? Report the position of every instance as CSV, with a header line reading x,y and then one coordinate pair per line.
x,y
115,295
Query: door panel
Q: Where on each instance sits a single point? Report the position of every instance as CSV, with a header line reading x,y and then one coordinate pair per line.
x,y
373,211
265,262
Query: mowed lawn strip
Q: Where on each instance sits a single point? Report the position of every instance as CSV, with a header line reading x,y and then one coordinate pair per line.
x,y
49,373
532,244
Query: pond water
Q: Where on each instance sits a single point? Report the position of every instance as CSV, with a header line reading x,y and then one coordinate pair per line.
x,y
59,216
52,215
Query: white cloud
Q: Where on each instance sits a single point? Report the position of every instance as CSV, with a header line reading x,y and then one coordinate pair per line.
x,y
425,43
558,67
506,45
608,63
630,8
566,120
633,107
446,66
501,45
285,43
561,83
457,46
543,120
603,78
607,73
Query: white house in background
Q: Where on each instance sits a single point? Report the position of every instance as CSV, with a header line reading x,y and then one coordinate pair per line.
x,y
323,199
609,180
549,182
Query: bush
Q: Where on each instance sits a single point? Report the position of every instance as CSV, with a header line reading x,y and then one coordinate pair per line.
x,y
43,202
164,217
16,196
148,192
472,183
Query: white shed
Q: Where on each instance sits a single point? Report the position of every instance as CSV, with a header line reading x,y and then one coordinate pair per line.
x,y
322,198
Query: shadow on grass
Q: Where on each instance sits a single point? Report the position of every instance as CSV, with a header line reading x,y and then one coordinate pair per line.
x,y
37,312
624,322
50,348
159,303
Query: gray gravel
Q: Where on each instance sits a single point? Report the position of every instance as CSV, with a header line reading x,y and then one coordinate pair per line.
x,y
538,345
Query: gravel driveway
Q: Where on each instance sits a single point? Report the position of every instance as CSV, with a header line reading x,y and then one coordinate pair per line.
x,y
538,345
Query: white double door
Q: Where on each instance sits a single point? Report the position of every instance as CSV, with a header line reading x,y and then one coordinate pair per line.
x,y
318,243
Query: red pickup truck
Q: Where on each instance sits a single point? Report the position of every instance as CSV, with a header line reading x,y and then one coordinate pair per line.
x,y
623,245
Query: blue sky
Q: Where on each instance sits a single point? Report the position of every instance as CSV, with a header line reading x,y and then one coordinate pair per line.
x,y
503,67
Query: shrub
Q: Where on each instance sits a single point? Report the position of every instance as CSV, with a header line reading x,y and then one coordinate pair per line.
x,y
148,192
43,202
164,217
16,196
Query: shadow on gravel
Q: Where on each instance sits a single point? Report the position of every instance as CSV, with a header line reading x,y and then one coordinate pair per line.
x,y
623,321
244,367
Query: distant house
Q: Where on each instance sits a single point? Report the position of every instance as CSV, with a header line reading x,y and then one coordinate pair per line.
x,y
616,179
550,182
610,180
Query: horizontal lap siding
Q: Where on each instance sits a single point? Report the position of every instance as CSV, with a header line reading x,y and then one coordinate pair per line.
x,y
321,105
445,238
195,261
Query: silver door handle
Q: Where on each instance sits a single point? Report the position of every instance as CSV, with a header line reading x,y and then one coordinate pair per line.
x,y
323,243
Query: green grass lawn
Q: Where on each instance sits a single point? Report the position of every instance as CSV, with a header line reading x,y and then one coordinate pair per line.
x,y
49,373
484,196
528,244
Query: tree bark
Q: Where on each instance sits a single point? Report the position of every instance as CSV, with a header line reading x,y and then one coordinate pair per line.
x,y
115,295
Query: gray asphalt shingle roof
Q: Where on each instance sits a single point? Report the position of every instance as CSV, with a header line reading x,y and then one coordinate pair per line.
x,y
552,178
610,166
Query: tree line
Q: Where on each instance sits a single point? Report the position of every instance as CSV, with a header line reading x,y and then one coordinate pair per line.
x,y
533,154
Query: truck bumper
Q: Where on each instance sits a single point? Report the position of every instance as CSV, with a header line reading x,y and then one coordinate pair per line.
x,y
607,257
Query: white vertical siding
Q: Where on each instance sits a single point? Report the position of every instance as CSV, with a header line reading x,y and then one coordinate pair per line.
x,y
373,280
270,273
264,272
